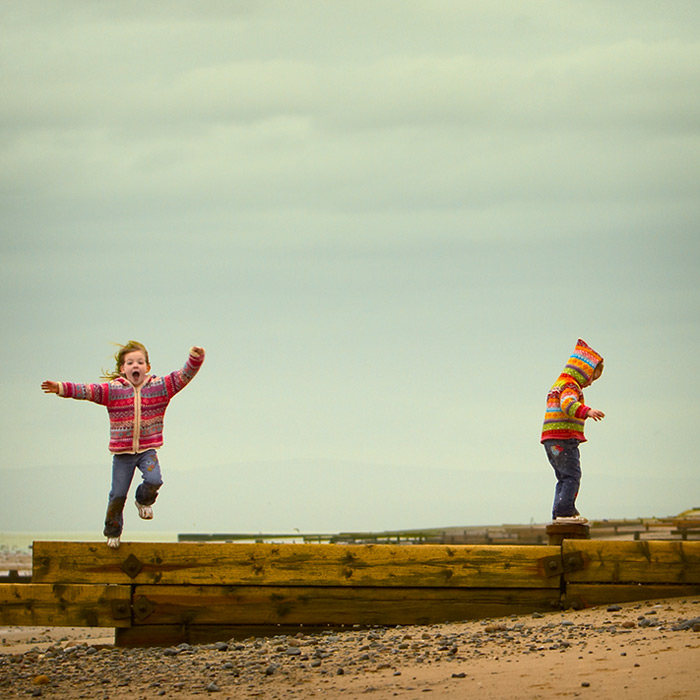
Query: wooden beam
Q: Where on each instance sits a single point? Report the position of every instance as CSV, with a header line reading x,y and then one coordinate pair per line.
x,y
197,563
258,605
648,561
558,532
59,605
583,595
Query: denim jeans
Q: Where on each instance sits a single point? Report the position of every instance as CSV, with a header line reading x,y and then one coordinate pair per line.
x,y
123,468
564,457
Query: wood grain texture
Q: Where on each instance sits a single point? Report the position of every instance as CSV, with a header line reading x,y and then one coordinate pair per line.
x,y
585,595
200,563
648,561
256,605
60,605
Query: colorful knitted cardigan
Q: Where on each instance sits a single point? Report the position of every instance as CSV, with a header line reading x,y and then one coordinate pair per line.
x,y
135,413
566,413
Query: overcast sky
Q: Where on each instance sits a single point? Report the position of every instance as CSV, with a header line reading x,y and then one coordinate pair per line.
x,y
387,222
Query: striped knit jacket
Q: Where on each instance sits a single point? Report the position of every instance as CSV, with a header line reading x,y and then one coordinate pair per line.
x,y
135,413
566,412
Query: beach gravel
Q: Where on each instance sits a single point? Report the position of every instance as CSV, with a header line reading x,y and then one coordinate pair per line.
x,y
614,652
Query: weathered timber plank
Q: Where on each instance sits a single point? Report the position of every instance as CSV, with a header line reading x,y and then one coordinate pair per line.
x,y
60,605
648,561
431,566
258,605
584,595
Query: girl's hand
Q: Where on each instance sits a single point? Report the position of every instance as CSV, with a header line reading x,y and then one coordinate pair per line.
x,y
197,351
49,387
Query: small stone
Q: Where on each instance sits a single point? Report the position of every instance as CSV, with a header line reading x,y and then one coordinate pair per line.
x,y
495,628
614,608
41,680
213,688
459,675
585,684
270,670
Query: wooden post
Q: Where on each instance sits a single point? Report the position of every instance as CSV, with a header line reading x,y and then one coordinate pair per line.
x,y
558,532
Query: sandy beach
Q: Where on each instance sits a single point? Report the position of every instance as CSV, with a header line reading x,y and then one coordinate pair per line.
x,y
636,650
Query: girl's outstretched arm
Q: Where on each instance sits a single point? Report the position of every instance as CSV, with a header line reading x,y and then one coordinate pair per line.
x,y
49,387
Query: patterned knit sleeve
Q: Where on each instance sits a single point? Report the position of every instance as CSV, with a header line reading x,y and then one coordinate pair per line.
x,y
571,403
97,393
179,379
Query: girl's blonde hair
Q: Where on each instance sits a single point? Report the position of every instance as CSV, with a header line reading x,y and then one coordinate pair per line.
x,y
124,350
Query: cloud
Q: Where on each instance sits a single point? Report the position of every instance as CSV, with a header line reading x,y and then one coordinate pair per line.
x,y
144,116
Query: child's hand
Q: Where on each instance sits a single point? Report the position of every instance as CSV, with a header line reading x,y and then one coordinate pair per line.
x,y
595,414
197,351
49,387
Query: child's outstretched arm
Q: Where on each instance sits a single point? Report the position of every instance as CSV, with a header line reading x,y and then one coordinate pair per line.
x,y
49,387
176,381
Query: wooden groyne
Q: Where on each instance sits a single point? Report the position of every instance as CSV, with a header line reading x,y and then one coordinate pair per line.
x,y
685,526
166,593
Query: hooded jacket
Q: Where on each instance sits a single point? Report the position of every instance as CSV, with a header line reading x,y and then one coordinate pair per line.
x,y
566,412
136,414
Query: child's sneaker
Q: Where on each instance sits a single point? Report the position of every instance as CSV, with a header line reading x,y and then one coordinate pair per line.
x,y
113,542
145,512
572,519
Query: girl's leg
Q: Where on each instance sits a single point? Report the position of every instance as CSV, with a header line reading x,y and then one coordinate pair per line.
x,y
122,472
148,465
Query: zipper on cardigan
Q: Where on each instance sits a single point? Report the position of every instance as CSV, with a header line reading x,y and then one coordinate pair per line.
x,y
137,418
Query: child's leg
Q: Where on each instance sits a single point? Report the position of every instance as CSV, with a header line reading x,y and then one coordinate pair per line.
x,y
565,459
148,465
122,472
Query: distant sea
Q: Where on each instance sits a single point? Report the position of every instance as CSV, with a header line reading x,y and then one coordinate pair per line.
x,y
22,541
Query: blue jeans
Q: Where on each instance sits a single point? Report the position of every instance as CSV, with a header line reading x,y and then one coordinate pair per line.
x,y
123,468
564,457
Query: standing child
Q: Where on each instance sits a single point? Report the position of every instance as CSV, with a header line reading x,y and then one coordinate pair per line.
x,y
562,431
136,403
